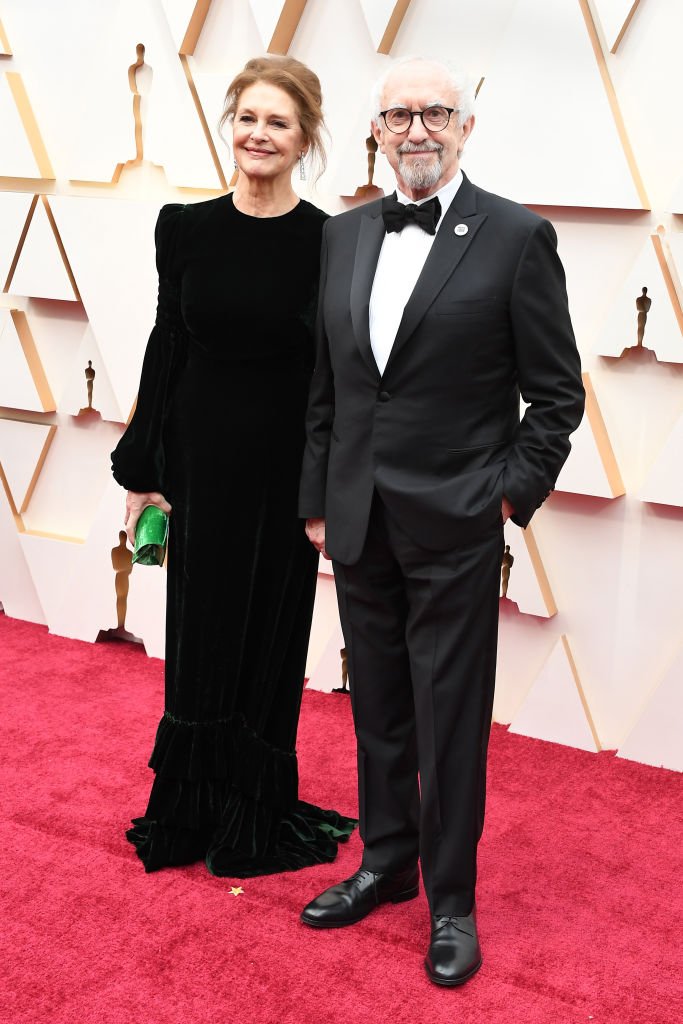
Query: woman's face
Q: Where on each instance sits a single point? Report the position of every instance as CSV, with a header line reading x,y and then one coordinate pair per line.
x,y
266,135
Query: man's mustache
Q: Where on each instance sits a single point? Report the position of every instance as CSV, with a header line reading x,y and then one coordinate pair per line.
x,y
415,147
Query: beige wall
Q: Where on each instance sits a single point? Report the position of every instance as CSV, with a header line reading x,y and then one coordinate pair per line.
x,y
577,116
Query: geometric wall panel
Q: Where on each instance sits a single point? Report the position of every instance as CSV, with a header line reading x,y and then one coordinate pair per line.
x,y
615,17
550,165
209,126
89,101
657,736
326,675
277,21
22,153
42,269
661,324
146,608
323,666
348,167
117,281
88,600
14,207
186,19
5,50
528,584
664,483
384,19
23,384
676,203
73,479
591,467
18,594
209,89
555,708
173,133
675,266
616,566
74,397
524,644
348,123
50,561
23,449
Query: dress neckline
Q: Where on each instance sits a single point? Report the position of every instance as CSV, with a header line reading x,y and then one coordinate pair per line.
x,y
252,217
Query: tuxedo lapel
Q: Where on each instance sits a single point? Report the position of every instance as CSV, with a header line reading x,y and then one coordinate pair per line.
x,y
370,238
444,256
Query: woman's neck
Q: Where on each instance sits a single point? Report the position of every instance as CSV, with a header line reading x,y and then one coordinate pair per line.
x,y
262,198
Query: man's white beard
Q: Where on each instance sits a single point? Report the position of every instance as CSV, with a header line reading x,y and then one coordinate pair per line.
x,y
421,173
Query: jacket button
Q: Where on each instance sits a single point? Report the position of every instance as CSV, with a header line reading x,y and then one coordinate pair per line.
x,y
384,396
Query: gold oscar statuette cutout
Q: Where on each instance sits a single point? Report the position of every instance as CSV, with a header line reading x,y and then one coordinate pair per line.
x,y
369,191
90,373
122,564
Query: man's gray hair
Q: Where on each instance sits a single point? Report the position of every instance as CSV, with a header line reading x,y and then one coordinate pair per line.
x,y
461,83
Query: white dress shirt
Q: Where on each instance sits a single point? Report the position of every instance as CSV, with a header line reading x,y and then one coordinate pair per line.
x,y
400,263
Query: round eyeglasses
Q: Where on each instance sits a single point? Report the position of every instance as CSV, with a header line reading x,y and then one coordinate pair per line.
x,y
435,119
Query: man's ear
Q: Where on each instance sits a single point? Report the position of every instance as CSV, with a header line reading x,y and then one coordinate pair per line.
x,y
467,127
377,134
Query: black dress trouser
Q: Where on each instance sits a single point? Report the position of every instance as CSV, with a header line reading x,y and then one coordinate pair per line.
x,y
420,629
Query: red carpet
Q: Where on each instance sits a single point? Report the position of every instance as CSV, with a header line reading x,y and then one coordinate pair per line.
x,y
580,895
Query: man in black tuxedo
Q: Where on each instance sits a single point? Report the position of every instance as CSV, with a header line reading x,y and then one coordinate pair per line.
x,y
438,307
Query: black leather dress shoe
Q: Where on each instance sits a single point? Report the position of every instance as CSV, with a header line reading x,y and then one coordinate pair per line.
x,y
454,954
353,899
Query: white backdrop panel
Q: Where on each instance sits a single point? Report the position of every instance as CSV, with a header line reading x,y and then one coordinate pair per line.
x,y
21,446
18,594
117,279
553,709
40,270
656,736
662,333
14,207
17,387
542,125
18,160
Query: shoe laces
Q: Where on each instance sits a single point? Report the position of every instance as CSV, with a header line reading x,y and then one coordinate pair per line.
x,y
360,875
441,922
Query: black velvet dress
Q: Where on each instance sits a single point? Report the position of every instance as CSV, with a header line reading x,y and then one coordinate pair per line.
x,y
219,430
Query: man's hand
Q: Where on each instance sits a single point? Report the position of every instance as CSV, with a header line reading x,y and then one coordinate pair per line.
x,y
135,503
315,531
507,510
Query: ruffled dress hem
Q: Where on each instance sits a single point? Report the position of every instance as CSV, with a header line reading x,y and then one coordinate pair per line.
x,y
224,795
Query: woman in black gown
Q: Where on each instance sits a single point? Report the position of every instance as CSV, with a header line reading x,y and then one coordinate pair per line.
x,y
218,436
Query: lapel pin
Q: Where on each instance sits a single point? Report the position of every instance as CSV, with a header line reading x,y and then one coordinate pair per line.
x,y
461,229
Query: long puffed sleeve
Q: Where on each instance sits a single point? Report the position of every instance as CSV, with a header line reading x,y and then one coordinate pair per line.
x,y
138,459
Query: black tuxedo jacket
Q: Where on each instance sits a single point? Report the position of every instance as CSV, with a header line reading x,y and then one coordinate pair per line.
x,y
438,434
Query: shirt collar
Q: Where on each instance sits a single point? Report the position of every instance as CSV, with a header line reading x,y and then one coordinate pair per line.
x,y
446,194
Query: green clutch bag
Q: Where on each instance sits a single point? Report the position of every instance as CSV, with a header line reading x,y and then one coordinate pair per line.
x,y
151,536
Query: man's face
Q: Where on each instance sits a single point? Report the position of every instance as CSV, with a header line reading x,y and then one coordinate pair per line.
x,y
422,159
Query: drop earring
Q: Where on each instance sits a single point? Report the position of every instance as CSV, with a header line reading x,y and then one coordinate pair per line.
x,y
302,167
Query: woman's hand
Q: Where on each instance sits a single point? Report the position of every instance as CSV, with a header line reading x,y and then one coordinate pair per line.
x,y
135,503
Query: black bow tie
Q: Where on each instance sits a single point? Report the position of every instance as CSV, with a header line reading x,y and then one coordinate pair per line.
x,y
396,215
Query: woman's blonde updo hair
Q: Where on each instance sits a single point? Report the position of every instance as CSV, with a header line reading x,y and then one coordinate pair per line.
x,y
299,82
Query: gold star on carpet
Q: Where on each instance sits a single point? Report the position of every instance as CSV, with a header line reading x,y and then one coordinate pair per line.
x,y
236,890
